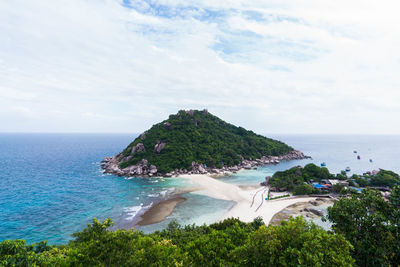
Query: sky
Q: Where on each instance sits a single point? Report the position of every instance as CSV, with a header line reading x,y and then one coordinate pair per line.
x,y
287,66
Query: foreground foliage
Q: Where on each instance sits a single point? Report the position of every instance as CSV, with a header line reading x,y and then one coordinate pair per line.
x,y
228,243
201,137
371,224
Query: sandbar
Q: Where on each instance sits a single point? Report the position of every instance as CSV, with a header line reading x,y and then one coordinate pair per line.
x,y
250,201
160,211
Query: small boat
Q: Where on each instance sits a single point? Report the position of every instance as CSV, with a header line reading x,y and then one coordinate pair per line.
x,y
370,160
355,151
358,157
323,164
348,169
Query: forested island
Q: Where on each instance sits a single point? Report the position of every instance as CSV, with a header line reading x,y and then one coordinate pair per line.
x,y
195,141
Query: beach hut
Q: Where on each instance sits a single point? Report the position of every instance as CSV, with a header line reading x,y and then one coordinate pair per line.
x,y
317,185
327,186
325,181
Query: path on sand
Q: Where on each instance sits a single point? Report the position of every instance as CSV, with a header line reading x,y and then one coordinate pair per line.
x,y
249,203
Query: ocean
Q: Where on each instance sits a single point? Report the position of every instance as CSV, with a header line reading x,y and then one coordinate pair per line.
x,y
51,185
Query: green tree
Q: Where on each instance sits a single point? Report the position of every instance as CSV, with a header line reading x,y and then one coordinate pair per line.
x,y
303,189
293,243
227,243
96,246
337,188
369,223
362,182
395,197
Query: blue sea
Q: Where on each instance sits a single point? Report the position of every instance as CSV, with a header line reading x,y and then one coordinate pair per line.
x,y
51,185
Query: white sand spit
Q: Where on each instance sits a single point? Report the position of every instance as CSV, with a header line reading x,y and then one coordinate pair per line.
x,y
249,203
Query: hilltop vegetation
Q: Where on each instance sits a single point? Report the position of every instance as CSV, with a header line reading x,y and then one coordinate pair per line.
x,y
197,136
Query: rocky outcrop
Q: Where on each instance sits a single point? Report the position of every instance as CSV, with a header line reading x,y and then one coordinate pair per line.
x,y
138,148
112,164
167,125
198,168
159,146
152,170
314,211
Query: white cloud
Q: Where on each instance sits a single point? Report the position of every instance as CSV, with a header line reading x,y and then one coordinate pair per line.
x,y
275,66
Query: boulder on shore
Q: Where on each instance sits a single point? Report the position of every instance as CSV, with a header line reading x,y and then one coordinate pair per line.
x,y
112,164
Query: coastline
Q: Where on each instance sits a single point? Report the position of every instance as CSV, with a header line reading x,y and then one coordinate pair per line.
x,y
250,201
111,165
246,209
308,209
160,211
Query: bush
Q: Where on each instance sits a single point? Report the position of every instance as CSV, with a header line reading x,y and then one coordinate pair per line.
x,y
227,243
277,197
337,188
304,189
293,243
371,224
385,178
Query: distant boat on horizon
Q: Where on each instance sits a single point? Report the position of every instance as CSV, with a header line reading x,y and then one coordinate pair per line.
x,y
323,164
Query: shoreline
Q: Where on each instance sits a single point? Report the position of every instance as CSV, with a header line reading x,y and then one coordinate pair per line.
x,y
246,209
308,209
161,209
111,165
158,212
250,201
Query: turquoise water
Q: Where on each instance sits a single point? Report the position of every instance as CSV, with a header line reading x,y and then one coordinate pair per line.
x,y
197,209
51,185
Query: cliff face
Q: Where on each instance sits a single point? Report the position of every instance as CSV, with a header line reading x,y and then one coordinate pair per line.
x,y
195,142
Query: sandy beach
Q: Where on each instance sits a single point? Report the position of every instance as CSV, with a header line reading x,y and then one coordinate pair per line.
x,y
250,201
160,211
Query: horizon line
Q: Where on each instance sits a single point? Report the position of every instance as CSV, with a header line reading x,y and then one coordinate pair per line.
x,y
265,134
